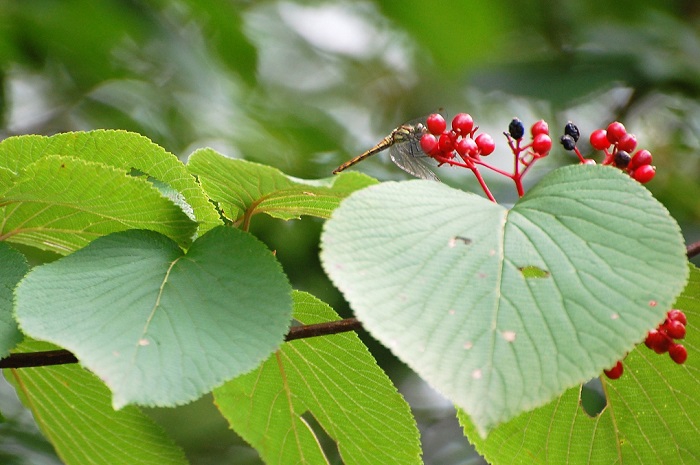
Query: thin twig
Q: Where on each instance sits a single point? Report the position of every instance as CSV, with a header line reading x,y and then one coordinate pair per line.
x,y
62,356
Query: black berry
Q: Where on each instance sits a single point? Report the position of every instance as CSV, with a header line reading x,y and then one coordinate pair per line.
x,y
572,130
622,159
568,142
516,129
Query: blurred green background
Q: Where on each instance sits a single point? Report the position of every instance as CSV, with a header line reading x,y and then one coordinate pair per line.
x,y
304,86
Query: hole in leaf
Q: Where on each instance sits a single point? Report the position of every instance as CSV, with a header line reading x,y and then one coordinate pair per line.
x,y
532,271
327,443
454,240
593,399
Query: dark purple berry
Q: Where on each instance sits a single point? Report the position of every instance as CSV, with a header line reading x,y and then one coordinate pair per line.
x,y
568,142
622,159
516,129
572,130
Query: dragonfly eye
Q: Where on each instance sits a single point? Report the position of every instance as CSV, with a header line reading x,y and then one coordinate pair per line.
x,y
420,129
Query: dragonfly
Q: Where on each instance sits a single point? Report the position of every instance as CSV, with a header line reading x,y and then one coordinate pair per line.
x,y
404,149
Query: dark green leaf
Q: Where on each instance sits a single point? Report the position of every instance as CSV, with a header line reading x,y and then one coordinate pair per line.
x,y
14,267
158,326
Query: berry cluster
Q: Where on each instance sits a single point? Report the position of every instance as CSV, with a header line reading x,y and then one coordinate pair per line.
x,y
618,145
441,142
458,146
662,340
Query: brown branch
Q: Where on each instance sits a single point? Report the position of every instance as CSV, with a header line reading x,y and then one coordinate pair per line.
x,y
62,356
38,359
323,329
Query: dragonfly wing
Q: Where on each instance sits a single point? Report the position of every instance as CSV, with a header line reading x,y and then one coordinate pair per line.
x,y
409,157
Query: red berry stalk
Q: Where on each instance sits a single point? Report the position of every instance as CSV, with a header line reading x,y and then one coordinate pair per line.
x,y
460,146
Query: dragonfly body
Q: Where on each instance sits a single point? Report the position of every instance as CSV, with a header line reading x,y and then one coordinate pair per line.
x,y
404,149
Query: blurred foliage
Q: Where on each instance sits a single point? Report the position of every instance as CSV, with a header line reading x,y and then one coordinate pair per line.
x,y
303,86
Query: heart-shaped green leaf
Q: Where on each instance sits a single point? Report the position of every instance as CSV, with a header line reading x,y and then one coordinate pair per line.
x,y
503,310
161,327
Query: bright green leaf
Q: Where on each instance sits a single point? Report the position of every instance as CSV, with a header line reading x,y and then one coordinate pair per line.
x,y
158,326
437,275
335,379
244,188
14,267
72,409
7,178
652,416
62,203
120,149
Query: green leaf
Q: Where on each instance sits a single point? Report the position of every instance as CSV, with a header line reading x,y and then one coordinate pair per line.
x,y
119,149
244,188
72,408
335,379
62,203
14,267
443,278
158,326
652,413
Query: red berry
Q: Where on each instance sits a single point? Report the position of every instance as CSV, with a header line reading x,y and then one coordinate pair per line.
x,y
540,127
445,144
675,329
599,139
463,124
436,124
615,131
641,158
644,173
541,144
429,143
627,142
657,341
678,353
485,143
467,147
677,315
615,372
